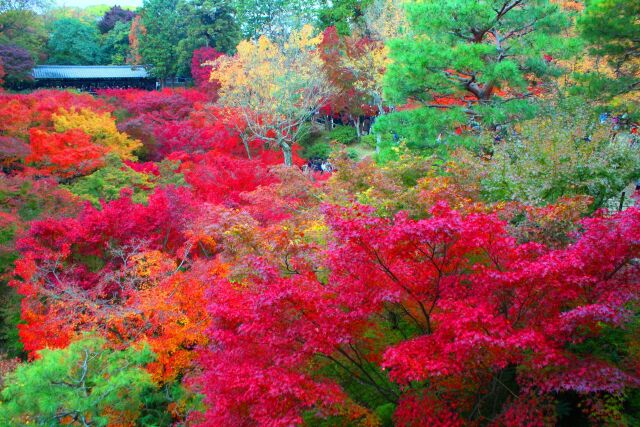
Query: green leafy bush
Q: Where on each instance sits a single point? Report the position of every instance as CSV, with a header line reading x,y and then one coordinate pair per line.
x,y
343,135
353,154
320,150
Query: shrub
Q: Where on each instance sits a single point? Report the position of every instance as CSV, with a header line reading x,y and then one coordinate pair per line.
x,y
320,150
344,135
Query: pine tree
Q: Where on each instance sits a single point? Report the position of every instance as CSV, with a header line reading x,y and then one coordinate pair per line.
x,y
470,64
612,27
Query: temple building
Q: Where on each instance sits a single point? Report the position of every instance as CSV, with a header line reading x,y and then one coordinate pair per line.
x,y
92,77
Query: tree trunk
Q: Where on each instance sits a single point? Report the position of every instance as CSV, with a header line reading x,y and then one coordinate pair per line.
x,y
286,151
358,130
246,146
378,101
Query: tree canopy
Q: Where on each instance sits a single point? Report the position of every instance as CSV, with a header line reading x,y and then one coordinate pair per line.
x,y
73,42
416,213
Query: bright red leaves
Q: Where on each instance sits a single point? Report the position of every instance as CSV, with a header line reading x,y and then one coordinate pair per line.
x,y
483,310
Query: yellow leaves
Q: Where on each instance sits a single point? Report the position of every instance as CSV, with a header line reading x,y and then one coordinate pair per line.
x,y
238,229
303,39
273,85
100,126
371,65
386,19
250,74
315,231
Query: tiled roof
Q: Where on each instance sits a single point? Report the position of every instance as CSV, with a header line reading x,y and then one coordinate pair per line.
x,y
89,72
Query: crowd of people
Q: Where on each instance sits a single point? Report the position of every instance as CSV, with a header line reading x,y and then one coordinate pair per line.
x,y
318,165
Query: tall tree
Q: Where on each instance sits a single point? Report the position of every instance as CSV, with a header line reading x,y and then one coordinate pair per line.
x,y
479,57
115,43
73,42
136,32
207,23
211,23
345,15
163,30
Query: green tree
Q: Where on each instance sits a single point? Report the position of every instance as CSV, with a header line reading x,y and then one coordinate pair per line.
x,y
211,23
84,384
73,42
207,23
275,19
164,29
115,43
563,152
612,28
344,15
175,28
464,52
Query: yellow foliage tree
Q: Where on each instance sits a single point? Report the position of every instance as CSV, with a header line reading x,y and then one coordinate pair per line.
x,y
386,19
275,88
100,126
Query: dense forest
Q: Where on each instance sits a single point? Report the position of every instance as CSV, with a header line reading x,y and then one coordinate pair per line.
x,y
364,213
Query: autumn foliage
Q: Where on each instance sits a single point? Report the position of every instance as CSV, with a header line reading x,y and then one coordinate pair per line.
x,y
154,244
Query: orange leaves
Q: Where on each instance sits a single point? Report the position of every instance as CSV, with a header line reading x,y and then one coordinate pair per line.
x,y
572,5
152,265
66,154
175,311
137,29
